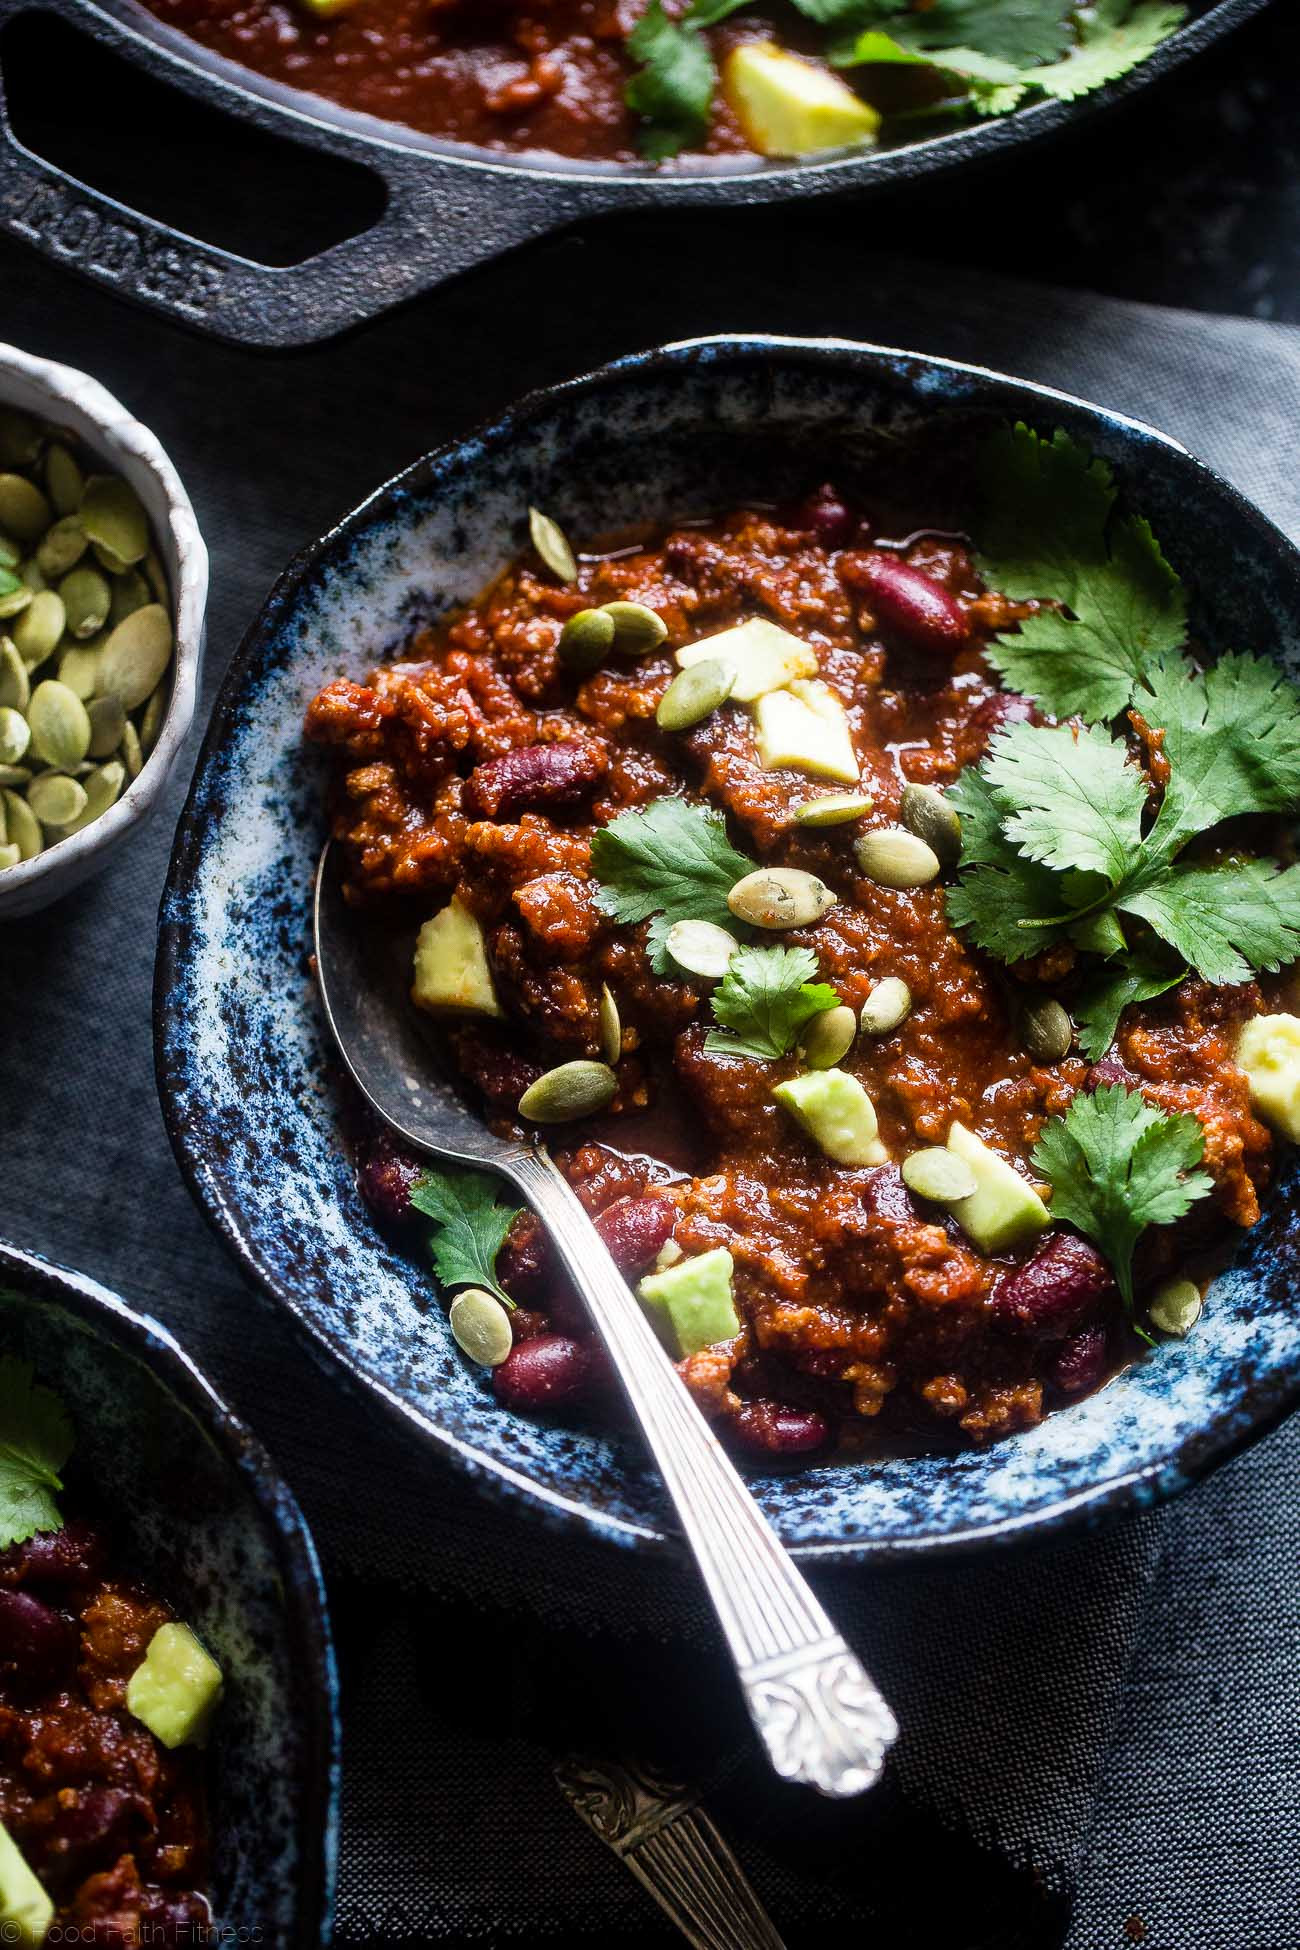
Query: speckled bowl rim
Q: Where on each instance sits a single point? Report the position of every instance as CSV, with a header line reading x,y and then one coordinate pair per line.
x,y
306,1608
1194,1457
30,885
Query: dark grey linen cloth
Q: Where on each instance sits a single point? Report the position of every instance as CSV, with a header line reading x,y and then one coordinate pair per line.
x,y
475,1646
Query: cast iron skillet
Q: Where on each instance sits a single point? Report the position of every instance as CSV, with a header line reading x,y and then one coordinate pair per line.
x,y
448,206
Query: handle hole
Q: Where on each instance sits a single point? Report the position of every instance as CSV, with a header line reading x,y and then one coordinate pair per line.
x,y
155,148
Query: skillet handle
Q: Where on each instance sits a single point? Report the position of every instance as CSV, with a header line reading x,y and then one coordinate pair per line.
x,y
442,215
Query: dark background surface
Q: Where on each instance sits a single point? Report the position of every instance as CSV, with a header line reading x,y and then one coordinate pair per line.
x,y
1186,197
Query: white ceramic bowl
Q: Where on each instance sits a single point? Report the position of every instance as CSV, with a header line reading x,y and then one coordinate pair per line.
x,y
74,400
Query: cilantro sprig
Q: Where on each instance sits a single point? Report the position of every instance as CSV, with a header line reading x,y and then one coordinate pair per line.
x,y
472,1227
35,1442
994,53
665,862
764,1000
1116,1165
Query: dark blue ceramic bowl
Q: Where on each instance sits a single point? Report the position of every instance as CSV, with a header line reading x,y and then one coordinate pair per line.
x,y
201,1515
250,1092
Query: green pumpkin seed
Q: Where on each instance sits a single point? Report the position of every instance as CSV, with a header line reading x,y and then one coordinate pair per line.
x,y
108,723
828,1037
64,481
637,629
549,539
585,640
30,572
110,563
60,548
573,1090
79,670
60,726
20,438
1047,1030
893,857
833,809
700,948
10,553
938,1174
15,774
15,684
132,756
86,598
888,1004
151,723
23,828
156,576
115,521
928,814
695,694
15,735
480,1327
56,799
101,786
24,511
14,597
10,856
130,592
611,1027
780,897
137,653
1176,1308
37,631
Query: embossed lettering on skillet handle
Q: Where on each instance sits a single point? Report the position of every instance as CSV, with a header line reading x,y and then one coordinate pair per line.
x,y
439,217
821,1718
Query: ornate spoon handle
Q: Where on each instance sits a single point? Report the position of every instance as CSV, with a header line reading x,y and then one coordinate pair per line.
x,y
818,1714
674,1850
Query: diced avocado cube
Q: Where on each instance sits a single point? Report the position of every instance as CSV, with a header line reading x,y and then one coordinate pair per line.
x,y
764,656
26,1910
451,965
788,107
691,1304
1003,1210
1269,1053
807,729
837,1114
175,1688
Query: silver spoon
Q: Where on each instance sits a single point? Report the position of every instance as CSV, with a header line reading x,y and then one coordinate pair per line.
x,y
821,1718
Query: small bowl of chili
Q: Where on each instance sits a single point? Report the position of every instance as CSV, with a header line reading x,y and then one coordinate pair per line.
x,y
164,1642
768,746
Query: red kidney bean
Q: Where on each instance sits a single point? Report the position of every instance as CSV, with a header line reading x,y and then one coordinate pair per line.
x,y
830,523
765,1428
39,1643
88,1828
914,605
386,1177
1111,1069
61,1560
885,1196
526,1323
1002,709
1050,1294
549,1371
496,1069
634,1229
535,778
1079,1363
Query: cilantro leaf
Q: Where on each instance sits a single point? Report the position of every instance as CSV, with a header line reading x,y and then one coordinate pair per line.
x,y
1051,532
764,1000
672,90
1116,1165
1226,921
1101,1002
1015,31
1109,46
1072,798
35,1443
1232,738
471,1226
1002,899
671,860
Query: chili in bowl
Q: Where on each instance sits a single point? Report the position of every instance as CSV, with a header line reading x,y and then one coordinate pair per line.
x,y
167,1735
829,873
